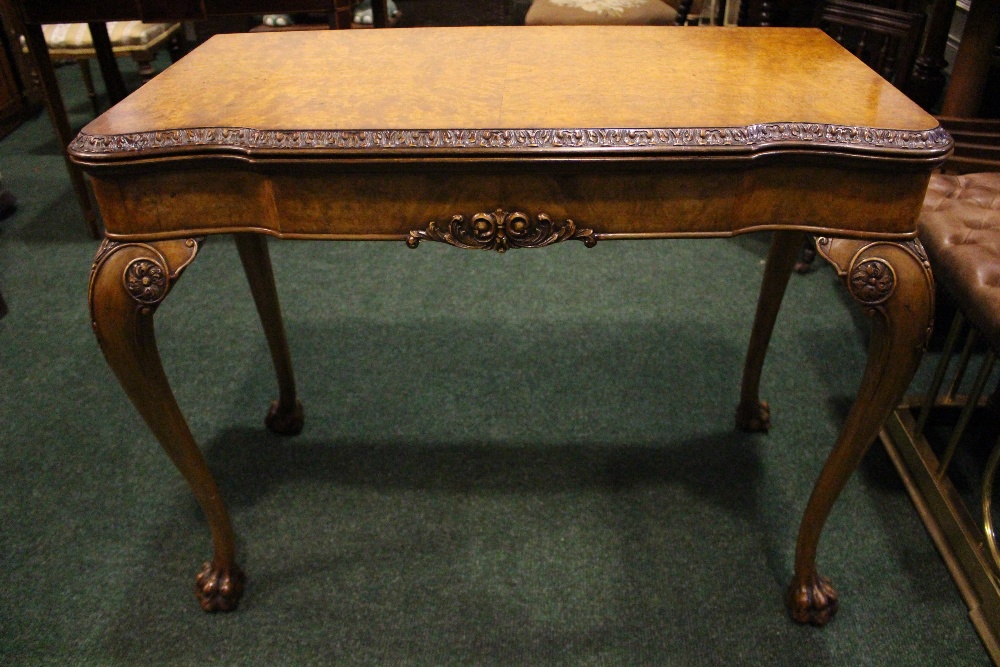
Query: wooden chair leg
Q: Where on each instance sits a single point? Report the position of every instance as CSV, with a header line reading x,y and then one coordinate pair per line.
x,y
127,284
113,81
753,414
60,120
177,46
893,284
380,14
144,59
88,82
808,256
285,416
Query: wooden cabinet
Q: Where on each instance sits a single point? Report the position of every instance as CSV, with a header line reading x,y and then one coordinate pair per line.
x,y
20,94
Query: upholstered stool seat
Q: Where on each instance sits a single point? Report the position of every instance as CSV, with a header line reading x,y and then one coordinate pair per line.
x,y
135,39
67,36
600,12
960,228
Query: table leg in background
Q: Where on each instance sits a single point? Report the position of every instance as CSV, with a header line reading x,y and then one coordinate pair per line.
x,y
285,416
753,414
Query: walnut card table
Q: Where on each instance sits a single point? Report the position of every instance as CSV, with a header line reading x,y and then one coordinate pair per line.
x,y
508,138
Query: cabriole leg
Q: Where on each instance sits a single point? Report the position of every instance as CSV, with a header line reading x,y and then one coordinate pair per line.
x,y
285,416
753,414
127,283
893,284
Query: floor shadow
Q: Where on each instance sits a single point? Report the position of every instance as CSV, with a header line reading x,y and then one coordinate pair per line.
x,y
468,554
249,464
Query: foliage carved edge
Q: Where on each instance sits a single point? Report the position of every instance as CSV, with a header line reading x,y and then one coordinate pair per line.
x,y
751,136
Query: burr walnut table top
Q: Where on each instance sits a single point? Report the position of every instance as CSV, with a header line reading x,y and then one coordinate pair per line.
x,y
510,78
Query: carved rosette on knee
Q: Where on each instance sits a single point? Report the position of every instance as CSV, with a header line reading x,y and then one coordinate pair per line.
x,y
149,276
868,271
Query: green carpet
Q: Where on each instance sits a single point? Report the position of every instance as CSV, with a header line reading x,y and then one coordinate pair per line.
x,y
525,459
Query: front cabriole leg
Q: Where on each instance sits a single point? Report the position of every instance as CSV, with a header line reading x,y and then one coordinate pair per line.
x,y
128,282
893,284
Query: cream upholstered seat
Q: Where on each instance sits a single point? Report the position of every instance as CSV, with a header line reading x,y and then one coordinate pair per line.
x,y
65,36
600,12
140,41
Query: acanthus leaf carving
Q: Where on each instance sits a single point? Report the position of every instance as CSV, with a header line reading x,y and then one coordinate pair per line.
x,y
501,231
751,136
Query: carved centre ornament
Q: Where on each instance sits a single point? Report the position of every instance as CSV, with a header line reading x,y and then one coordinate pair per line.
x,y
501,231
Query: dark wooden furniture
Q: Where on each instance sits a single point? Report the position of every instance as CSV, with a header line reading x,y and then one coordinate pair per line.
x,y
448,136
972,63
20,94
96,12
885,39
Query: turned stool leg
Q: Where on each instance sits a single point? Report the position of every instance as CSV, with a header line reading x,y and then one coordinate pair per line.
x,y
753,414
88,83
144,60
127,284
285,416
893,283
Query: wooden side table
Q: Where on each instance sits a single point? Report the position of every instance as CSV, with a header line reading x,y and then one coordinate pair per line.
x,y
505,139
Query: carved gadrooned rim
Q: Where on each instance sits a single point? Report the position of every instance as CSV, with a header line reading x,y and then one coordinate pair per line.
x,y
753,137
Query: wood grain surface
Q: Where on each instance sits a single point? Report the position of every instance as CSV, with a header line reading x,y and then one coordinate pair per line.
x,y
515,77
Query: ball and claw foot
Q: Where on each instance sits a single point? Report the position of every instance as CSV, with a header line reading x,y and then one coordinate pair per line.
x,y
219,589
753,417
813,602
285,422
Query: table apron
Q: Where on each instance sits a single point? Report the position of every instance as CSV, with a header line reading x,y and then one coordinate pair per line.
x,y
388,204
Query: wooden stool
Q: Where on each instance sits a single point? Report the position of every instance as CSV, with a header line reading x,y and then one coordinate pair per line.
x,y
138,40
